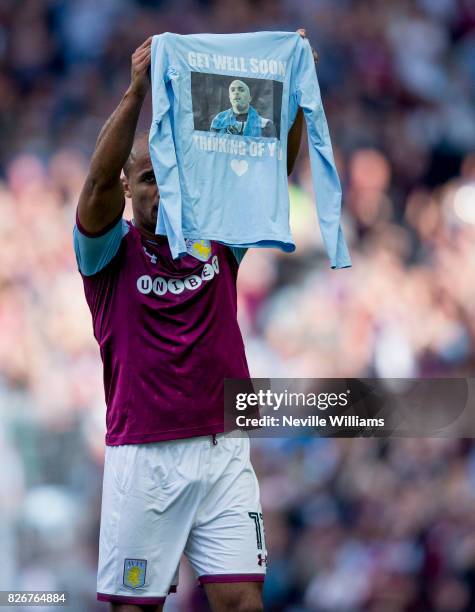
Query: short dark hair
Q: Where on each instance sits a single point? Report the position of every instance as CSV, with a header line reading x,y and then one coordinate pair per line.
x,y
127,166
130,160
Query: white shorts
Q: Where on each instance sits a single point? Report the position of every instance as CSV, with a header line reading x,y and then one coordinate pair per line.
x,y
189,496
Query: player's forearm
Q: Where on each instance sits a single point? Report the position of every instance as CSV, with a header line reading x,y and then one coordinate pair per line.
x,y
116,139
293,141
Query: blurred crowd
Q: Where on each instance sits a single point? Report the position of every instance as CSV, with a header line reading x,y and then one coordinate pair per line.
x,y
351,525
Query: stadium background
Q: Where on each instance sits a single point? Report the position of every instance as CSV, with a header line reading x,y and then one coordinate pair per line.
x,y
360,525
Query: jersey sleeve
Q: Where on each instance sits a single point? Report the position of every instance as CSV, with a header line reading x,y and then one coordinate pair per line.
x,y
326,183
95,251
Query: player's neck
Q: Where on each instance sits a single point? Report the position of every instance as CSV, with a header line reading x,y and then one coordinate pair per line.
x,y
148,234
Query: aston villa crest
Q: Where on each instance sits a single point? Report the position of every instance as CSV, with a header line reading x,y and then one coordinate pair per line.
x,y
134,573
201,249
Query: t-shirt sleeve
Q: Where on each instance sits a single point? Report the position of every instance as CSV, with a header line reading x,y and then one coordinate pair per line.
x,y
162,147
326,182
293,108
95,251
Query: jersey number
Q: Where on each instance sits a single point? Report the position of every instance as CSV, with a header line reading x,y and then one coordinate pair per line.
x,y
257,518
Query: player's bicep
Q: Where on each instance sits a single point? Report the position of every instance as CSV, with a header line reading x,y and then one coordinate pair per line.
x,y
100,204
95,251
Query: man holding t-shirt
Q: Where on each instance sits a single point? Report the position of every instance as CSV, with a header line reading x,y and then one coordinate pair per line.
x,y
168,335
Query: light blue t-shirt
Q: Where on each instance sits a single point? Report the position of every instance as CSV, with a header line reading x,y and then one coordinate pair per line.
x,y
222,108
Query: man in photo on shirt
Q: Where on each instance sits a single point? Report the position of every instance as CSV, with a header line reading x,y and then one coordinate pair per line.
x,y
242,119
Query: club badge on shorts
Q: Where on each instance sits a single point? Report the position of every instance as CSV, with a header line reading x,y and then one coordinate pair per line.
x,y
134,573
201,249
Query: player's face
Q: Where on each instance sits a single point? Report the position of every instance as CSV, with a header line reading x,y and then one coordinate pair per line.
x,y
142,188
240,96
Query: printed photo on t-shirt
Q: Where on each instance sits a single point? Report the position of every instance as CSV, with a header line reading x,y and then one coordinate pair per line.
x,y
234,105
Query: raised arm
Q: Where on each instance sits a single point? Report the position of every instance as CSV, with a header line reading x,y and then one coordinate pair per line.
x,y
293,141
102,196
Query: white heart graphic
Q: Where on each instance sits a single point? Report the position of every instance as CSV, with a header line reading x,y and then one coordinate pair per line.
x,y
239,166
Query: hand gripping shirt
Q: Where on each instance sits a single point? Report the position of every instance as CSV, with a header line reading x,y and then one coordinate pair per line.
x,y
167,332
222,108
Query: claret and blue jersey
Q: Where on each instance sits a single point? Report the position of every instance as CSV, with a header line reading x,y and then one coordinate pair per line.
x,y
167,331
